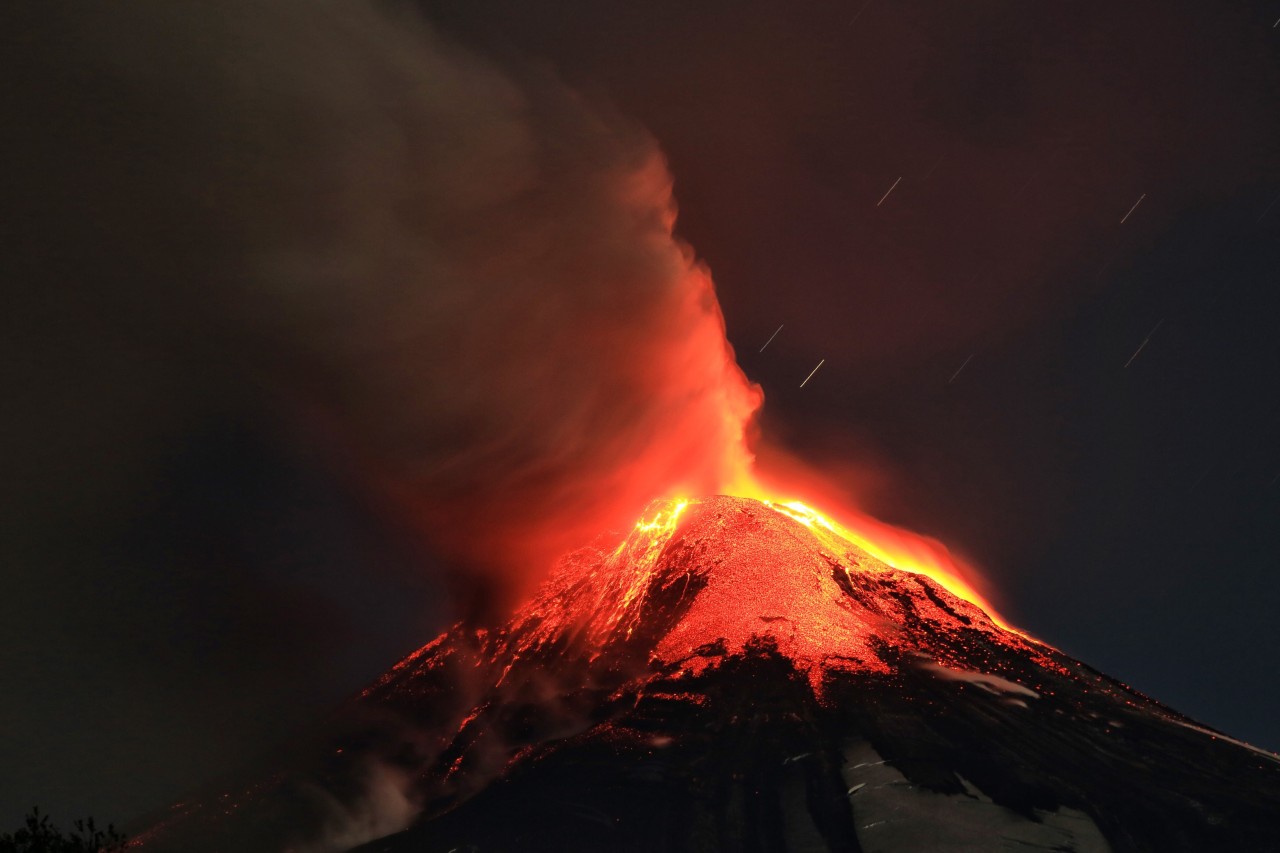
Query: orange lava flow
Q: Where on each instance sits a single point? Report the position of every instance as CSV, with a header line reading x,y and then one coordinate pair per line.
x,y
641,554
901,549
760,568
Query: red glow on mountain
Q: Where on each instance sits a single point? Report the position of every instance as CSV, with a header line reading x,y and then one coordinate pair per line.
x,y
735,570
720,640
645,631
694,583
893,546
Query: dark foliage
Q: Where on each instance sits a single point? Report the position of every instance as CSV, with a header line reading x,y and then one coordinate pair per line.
x,y
38,835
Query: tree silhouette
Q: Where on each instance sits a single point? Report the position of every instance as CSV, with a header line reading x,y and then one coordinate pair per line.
x,y
38,835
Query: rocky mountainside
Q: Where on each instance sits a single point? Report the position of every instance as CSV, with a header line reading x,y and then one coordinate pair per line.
x,y
739,676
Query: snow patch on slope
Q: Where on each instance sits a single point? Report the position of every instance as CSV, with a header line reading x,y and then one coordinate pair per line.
x,y
892,815
990,683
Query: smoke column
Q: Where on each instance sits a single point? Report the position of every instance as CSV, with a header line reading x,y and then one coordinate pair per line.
x,y
463,280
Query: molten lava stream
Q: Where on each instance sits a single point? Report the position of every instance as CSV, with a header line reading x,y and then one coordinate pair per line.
x,y
901,549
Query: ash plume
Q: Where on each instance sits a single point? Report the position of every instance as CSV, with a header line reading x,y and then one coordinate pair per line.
x,y
453,284
461,280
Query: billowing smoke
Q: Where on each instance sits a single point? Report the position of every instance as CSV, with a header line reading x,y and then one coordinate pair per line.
x,y
458,282
461,279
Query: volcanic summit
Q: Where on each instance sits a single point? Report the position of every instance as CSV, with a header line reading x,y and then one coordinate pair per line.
x,y
737,675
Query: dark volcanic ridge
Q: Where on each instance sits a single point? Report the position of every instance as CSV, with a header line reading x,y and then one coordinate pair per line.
x,y
738,676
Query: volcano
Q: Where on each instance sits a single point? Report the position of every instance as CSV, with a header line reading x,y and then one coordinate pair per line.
x,y
737,675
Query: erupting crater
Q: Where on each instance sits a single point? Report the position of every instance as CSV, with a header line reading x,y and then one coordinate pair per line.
x,y
698,581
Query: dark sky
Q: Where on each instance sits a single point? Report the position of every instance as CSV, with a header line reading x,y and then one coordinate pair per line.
x,y
180,610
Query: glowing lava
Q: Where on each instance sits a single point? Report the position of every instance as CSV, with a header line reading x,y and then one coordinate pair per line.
x,y
638,554
896,547
762,575
721,573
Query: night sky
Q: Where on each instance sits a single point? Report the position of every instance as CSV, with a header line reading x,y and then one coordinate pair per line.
x,y
1035,246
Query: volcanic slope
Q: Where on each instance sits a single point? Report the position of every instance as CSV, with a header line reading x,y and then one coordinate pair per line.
x,y
737,675
732,675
